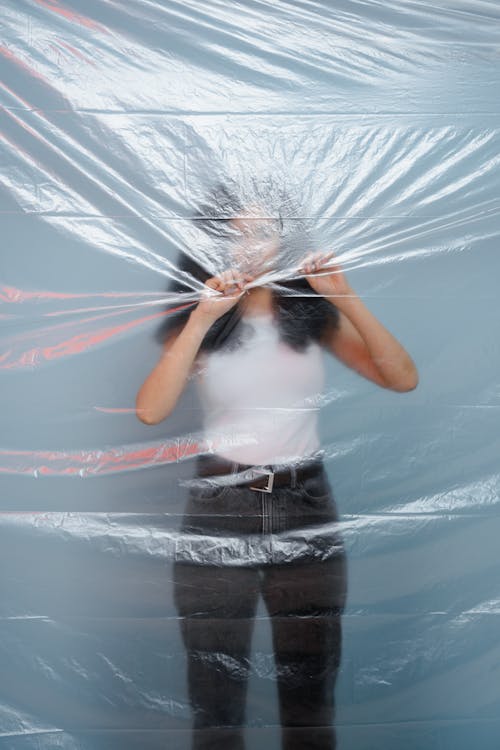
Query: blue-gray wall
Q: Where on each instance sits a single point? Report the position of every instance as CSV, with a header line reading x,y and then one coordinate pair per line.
x,y
382,121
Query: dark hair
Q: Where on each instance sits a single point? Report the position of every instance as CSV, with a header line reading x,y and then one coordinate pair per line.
x,y
303,315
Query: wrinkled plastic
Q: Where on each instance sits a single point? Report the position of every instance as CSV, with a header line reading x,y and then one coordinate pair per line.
x,y
368,129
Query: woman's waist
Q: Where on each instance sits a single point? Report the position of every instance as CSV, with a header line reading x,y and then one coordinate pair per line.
x,y
263,476
268,438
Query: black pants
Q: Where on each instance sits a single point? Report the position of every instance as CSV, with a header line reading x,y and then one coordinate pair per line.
x,y
237,544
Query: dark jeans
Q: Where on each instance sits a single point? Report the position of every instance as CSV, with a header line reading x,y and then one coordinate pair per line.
x,y
285,545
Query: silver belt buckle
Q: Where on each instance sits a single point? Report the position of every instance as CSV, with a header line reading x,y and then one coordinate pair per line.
x,y
270,481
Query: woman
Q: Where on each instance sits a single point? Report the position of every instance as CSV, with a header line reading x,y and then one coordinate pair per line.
x,y
261,517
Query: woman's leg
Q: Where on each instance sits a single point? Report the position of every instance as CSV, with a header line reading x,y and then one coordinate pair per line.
x,y
217,607
216,597
305,598
305,602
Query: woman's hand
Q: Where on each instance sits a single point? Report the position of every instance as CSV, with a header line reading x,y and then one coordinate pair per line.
x,y
231,286
326,279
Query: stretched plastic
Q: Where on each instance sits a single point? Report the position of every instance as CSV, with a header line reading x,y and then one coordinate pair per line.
x,y
366,129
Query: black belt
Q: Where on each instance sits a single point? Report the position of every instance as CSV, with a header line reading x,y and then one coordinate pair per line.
x,y
264,477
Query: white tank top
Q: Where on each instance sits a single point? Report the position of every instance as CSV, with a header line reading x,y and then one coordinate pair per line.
x,y
261,400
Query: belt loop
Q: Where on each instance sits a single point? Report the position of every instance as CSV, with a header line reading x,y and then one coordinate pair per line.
x,y
293,474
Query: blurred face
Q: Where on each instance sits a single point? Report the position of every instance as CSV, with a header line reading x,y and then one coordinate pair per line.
x,y
256,240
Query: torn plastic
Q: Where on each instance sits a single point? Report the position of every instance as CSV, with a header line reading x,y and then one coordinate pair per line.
x,y
145,148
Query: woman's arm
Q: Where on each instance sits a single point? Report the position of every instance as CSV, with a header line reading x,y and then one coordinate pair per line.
x,y
160,391
361,341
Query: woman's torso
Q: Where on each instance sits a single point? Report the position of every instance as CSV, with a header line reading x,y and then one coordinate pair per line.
x,y
261,399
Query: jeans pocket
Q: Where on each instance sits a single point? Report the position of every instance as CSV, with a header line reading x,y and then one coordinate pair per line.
x,y
315,489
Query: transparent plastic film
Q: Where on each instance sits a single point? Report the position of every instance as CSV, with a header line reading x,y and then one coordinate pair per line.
x,y
249,490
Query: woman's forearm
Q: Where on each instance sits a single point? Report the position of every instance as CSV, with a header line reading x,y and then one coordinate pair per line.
x,y
390,357
160,391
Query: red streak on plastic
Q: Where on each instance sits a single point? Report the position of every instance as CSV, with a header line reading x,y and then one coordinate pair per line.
x,y
32,132
115,410
6,52
76,52
14,294
73,345
90,463
15,94
71,15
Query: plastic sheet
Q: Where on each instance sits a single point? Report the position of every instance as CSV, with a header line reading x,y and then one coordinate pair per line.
x,y
145,148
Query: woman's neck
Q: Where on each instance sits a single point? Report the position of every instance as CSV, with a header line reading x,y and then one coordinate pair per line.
x,y
259,301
